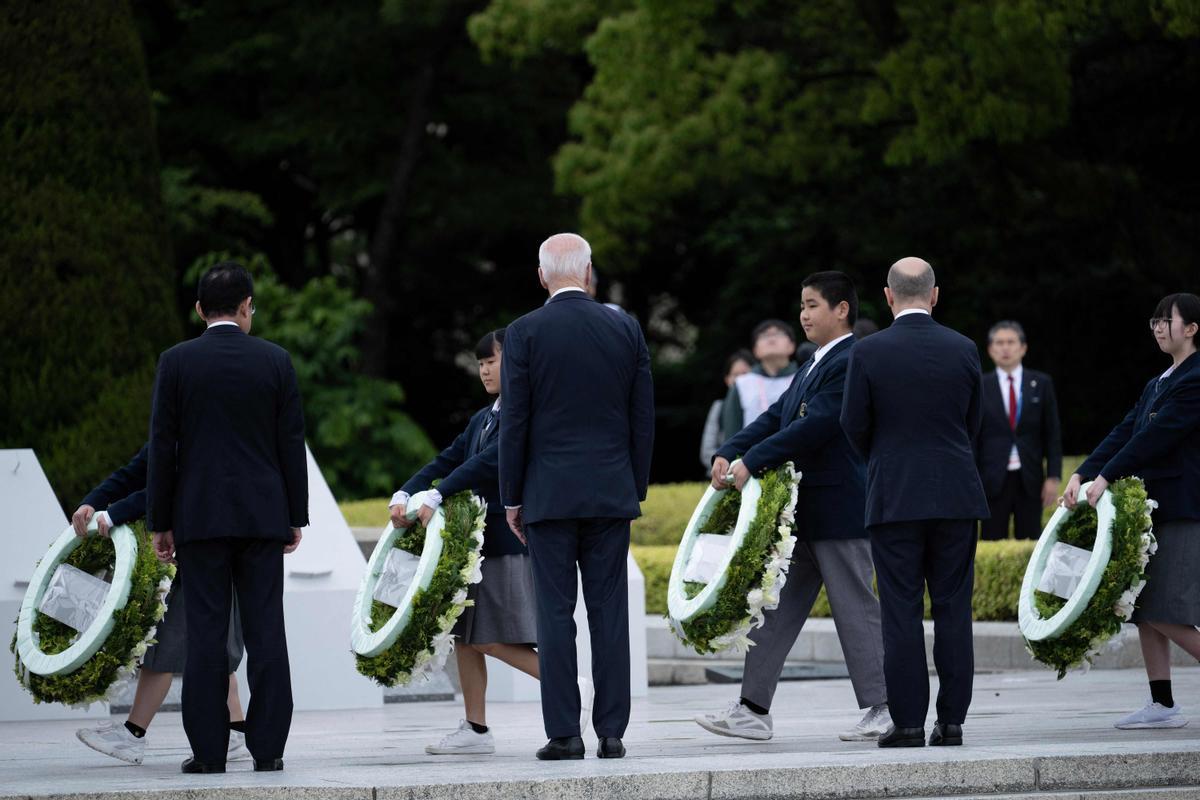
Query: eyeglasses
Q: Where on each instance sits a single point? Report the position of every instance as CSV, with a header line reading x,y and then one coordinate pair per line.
x,y
1156,321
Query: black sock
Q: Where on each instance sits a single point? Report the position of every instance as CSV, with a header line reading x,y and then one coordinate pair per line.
x,y
475,726
755,707
1160,692
138,732
239,726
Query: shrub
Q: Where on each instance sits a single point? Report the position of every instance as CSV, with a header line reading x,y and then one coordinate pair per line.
x,y
86,297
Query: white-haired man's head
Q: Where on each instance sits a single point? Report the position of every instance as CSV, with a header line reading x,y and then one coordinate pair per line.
x,y
565,259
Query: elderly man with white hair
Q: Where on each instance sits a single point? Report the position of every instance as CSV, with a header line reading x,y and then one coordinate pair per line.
x,y
576,433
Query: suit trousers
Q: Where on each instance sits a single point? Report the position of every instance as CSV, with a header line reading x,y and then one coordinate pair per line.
x,y
844,567
909,556
1013,501
600,547
254,568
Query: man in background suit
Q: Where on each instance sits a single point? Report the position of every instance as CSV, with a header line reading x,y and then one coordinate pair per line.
x,y
576,434
912,409
227,494
832,548
1020,429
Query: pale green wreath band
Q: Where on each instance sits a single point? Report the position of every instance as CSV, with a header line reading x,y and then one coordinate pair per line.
x,y
1033,627
91,640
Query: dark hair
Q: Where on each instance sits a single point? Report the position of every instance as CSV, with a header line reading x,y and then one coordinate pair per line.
x,y
835,287
763,326
1007,325
864,328
223,288
736,356
1188,305
489,344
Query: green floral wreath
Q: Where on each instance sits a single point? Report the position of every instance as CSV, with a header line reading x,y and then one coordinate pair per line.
x,y
1117,587
420,640
755,572
132,633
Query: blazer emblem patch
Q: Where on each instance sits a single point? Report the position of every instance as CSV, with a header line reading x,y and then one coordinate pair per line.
x,y
803,412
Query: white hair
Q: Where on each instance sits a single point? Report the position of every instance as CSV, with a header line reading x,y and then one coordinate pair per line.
x,y
564,256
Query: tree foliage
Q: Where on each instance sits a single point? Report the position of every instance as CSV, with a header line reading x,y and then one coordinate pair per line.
x,y
86,281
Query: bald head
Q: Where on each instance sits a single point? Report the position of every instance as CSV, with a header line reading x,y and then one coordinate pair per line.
x,y
911,284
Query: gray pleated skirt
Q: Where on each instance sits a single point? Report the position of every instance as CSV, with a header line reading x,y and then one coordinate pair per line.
x,y
505,608
169,654
1172,591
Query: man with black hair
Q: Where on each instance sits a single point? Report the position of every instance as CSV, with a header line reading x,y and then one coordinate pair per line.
x,y
227,495
1020,431
774,346
833,550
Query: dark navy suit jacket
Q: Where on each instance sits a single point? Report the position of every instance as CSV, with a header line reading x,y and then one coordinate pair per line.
x,y
472,462
1159,442
912,409
802,426
577,420
1038,435
226,453
122,494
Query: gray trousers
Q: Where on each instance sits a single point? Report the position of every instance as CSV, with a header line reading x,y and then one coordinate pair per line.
x,y
845,567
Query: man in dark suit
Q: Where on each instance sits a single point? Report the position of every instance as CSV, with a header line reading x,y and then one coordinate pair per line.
x,y
227,494
802,427
912,409
1020,429
576,434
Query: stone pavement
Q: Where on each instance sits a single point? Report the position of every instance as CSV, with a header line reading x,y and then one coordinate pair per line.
x,y
1027,735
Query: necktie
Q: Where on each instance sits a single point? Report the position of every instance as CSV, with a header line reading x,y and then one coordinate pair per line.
x,y
1012,404
487,426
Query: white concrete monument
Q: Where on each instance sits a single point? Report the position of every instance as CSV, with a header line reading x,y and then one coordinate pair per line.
x,y
31,520
508,684
320,582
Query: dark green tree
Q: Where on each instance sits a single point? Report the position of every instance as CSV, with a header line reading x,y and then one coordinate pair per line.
x,y
85,267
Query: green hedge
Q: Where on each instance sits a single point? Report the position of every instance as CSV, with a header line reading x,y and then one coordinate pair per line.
x,y
999,568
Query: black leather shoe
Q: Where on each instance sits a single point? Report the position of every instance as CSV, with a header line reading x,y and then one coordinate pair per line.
x,y
194,767
903,737
610,747
945,735
268,764
565,748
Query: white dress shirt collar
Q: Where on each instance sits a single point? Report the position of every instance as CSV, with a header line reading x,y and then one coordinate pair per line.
x,y
557,292
222,322
914,311
825,348
496,405
1017,374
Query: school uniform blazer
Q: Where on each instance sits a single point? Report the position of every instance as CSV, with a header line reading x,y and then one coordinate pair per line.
x,y
123,494
802,426
1159,442
471,462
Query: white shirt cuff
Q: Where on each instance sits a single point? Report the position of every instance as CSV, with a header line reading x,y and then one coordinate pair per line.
x,y
433,499
511,508
400,498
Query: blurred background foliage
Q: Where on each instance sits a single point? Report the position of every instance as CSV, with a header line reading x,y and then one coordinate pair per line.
x,y
397,162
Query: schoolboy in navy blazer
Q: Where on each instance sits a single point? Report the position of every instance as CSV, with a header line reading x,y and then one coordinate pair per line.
x,y
831,494
802,426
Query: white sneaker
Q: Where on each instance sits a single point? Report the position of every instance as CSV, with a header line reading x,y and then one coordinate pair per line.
x,y
114,740
738,721
237,747
587,696
875,724
464,741
1153,715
